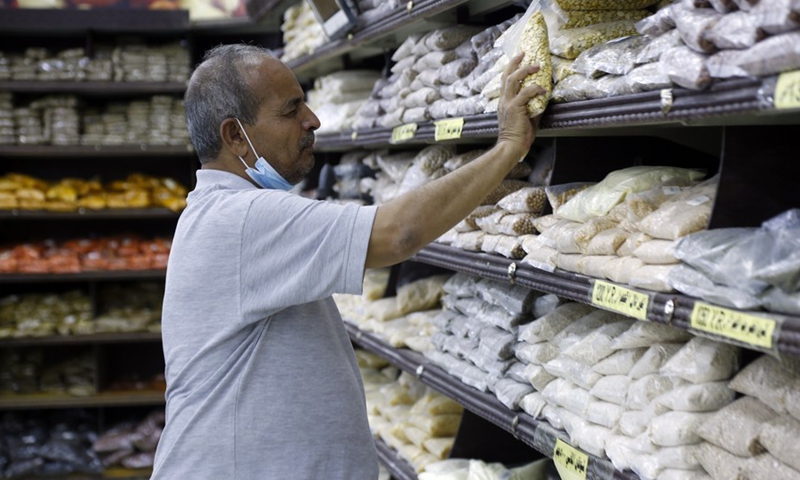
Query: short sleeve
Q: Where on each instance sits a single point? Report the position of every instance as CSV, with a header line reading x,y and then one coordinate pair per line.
x,y
296,250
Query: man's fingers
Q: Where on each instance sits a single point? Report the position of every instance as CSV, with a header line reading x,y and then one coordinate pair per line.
x,y
514,81
528,93
512,65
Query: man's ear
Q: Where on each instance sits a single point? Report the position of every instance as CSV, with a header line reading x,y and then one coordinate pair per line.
x,y
232,137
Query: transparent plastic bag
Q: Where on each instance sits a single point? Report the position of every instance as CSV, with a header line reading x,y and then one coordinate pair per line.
x,y
598,200
693,24
688,212
525,200
704,397
656,356
620,270
658,23
770,380
616,57
776,300
619,363
634,423
575,88
469,241
505,188
686,68
561,236
604,413
644,390
455,70
702,360
776,16
562,68
510,392
767,467
652,51
737,426
535,353
689,281
775,54
498,343
657,252
515,299
597,344
779,437
577,373
450,37
569,5
570,43
719,463
606,242
538,376
735,30
547,327
435,60
533,404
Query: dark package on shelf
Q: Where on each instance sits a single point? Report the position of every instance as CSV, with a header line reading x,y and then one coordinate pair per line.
x,y
776,54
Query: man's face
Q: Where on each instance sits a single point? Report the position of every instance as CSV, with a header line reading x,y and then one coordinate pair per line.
x,y
284,129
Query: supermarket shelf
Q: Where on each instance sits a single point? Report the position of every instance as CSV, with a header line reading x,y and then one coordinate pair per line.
x,y
114,275
88,214
113,472
394,22
734,102
537,434
668,308
90,339
105,399
85,151
89,88
67,21
397,466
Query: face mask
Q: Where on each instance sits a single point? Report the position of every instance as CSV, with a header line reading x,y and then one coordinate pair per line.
x,y
264,175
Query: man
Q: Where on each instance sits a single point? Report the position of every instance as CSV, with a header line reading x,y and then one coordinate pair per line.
x,y
262,380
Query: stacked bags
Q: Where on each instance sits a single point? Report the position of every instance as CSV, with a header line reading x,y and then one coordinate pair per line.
x,y
632,391
403,320
477,333
755,437
623,228
417,422
336,98
302,33
744,268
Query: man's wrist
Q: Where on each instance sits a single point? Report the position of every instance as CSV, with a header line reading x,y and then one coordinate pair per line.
x,y
514,151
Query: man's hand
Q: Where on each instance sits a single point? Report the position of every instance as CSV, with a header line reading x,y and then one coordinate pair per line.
x,y
516,128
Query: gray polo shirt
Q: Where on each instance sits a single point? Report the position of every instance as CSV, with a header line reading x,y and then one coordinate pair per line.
x,y
262,382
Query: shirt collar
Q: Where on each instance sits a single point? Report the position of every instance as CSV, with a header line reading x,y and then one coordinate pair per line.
x,y
209,177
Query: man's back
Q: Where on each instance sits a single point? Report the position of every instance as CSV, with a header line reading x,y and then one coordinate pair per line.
x,y
262,381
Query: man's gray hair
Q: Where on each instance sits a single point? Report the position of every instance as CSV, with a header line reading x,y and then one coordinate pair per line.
x,y
218,90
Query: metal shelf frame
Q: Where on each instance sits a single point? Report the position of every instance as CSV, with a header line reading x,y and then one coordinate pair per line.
x,y
397,466
668,308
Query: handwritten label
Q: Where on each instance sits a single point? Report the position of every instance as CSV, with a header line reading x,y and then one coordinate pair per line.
x,y
698,200
448,129
404,132
620,299
571,463
787,90
739,326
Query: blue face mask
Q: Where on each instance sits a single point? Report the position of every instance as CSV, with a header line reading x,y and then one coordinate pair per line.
x,y
264,175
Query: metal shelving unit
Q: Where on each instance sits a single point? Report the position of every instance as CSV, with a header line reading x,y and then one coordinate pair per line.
x,y
91,88
88,214
87,151
111,275
102,399
537,434
90,339
668,308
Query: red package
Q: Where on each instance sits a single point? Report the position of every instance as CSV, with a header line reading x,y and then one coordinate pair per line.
x,y
28,251
81,246
159,261
94,261
64,264
116,263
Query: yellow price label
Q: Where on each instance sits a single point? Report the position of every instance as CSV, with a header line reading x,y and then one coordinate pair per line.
x,y
571,463
448,129
404,132
620,299
787,90
733,324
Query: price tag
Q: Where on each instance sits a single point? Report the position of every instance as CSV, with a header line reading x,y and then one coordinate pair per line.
x,y
404,132
571,463
787,90
739,326
620,299
448,129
